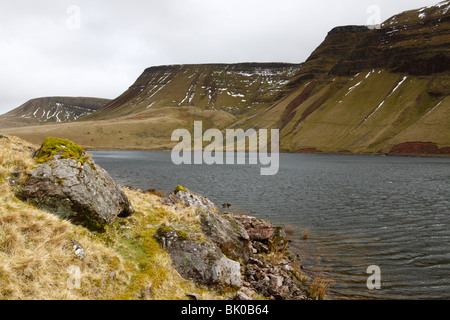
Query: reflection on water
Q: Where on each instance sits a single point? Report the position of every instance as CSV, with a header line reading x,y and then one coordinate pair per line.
x,y
358,211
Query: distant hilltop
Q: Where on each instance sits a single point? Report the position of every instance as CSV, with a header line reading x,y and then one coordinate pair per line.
x,y
52,109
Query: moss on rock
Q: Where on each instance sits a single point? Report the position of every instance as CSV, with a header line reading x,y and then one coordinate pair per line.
x,y
179,188
63,148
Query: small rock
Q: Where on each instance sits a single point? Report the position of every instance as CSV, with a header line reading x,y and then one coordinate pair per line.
x,y
242,296
194,296
257,229
78,250
256,261
260,247
277,281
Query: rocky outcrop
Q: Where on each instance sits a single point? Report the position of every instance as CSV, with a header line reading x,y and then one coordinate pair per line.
x,y
227,233
257,229
74,188
345,29
222,229
199,260
235,251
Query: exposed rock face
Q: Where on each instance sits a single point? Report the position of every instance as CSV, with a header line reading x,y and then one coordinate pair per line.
x,y
351,49
344,29
257,229
194,199
227,233
201,261
214,261
80,192
207,86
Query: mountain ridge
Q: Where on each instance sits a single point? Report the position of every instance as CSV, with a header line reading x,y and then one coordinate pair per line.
x,y
363,90
51,109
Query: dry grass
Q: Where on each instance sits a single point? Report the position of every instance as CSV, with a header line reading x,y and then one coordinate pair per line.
x,y
319,287
36,252
305,235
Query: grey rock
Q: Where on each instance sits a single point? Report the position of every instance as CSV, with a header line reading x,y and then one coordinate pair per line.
x,y
201,261
194,296
80,193
260,247
256,262
228,234
257,229
242,296
277,281
191,198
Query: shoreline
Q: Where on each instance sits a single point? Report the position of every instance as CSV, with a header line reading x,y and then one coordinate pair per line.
x,y
299,153
160,246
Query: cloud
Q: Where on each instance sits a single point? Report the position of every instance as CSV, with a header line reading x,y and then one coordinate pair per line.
x,y
98,48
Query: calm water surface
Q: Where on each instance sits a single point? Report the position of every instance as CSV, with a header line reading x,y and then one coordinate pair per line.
x,y
358,211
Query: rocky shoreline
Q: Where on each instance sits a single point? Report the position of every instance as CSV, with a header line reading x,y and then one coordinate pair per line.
x,y
245,257
253,257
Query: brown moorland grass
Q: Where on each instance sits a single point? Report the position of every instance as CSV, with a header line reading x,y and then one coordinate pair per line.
x,y
36,250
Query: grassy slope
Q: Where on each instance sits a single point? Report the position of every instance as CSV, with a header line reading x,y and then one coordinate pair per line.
x,y
234,88
141,131
36,249
332,119
345,120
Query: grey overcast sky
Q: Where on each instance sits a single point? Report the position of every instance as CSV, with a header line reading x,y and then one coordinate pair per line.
x,y
97,48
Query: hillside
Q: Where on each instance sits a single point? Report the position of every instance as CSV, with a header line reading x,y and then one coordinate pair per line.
x,y
51,110
234,88
361,91
366,91
44,255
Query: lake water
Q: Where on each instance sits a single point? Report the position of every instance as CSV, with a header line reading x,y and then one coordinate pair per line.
x,y
358,211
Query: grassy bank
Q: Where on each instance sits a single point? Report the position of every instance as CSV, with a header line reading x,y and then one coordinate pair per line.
x,y
124,262
37,258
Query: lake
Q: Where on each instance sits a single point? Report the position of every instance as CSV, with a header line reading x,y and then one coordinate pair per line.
x,y
357,211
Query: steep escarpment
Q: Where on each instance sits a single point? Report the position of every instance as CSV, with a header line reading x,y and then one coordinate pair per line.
x,y
233,88
367,90
415,42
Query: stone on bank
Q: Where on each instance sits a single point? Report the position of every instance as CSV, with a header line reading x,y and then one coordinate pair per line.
x,y
68,183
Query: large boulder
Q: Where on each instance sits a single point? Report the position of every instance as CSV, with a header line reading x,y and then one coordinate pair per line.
x,y
70,184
